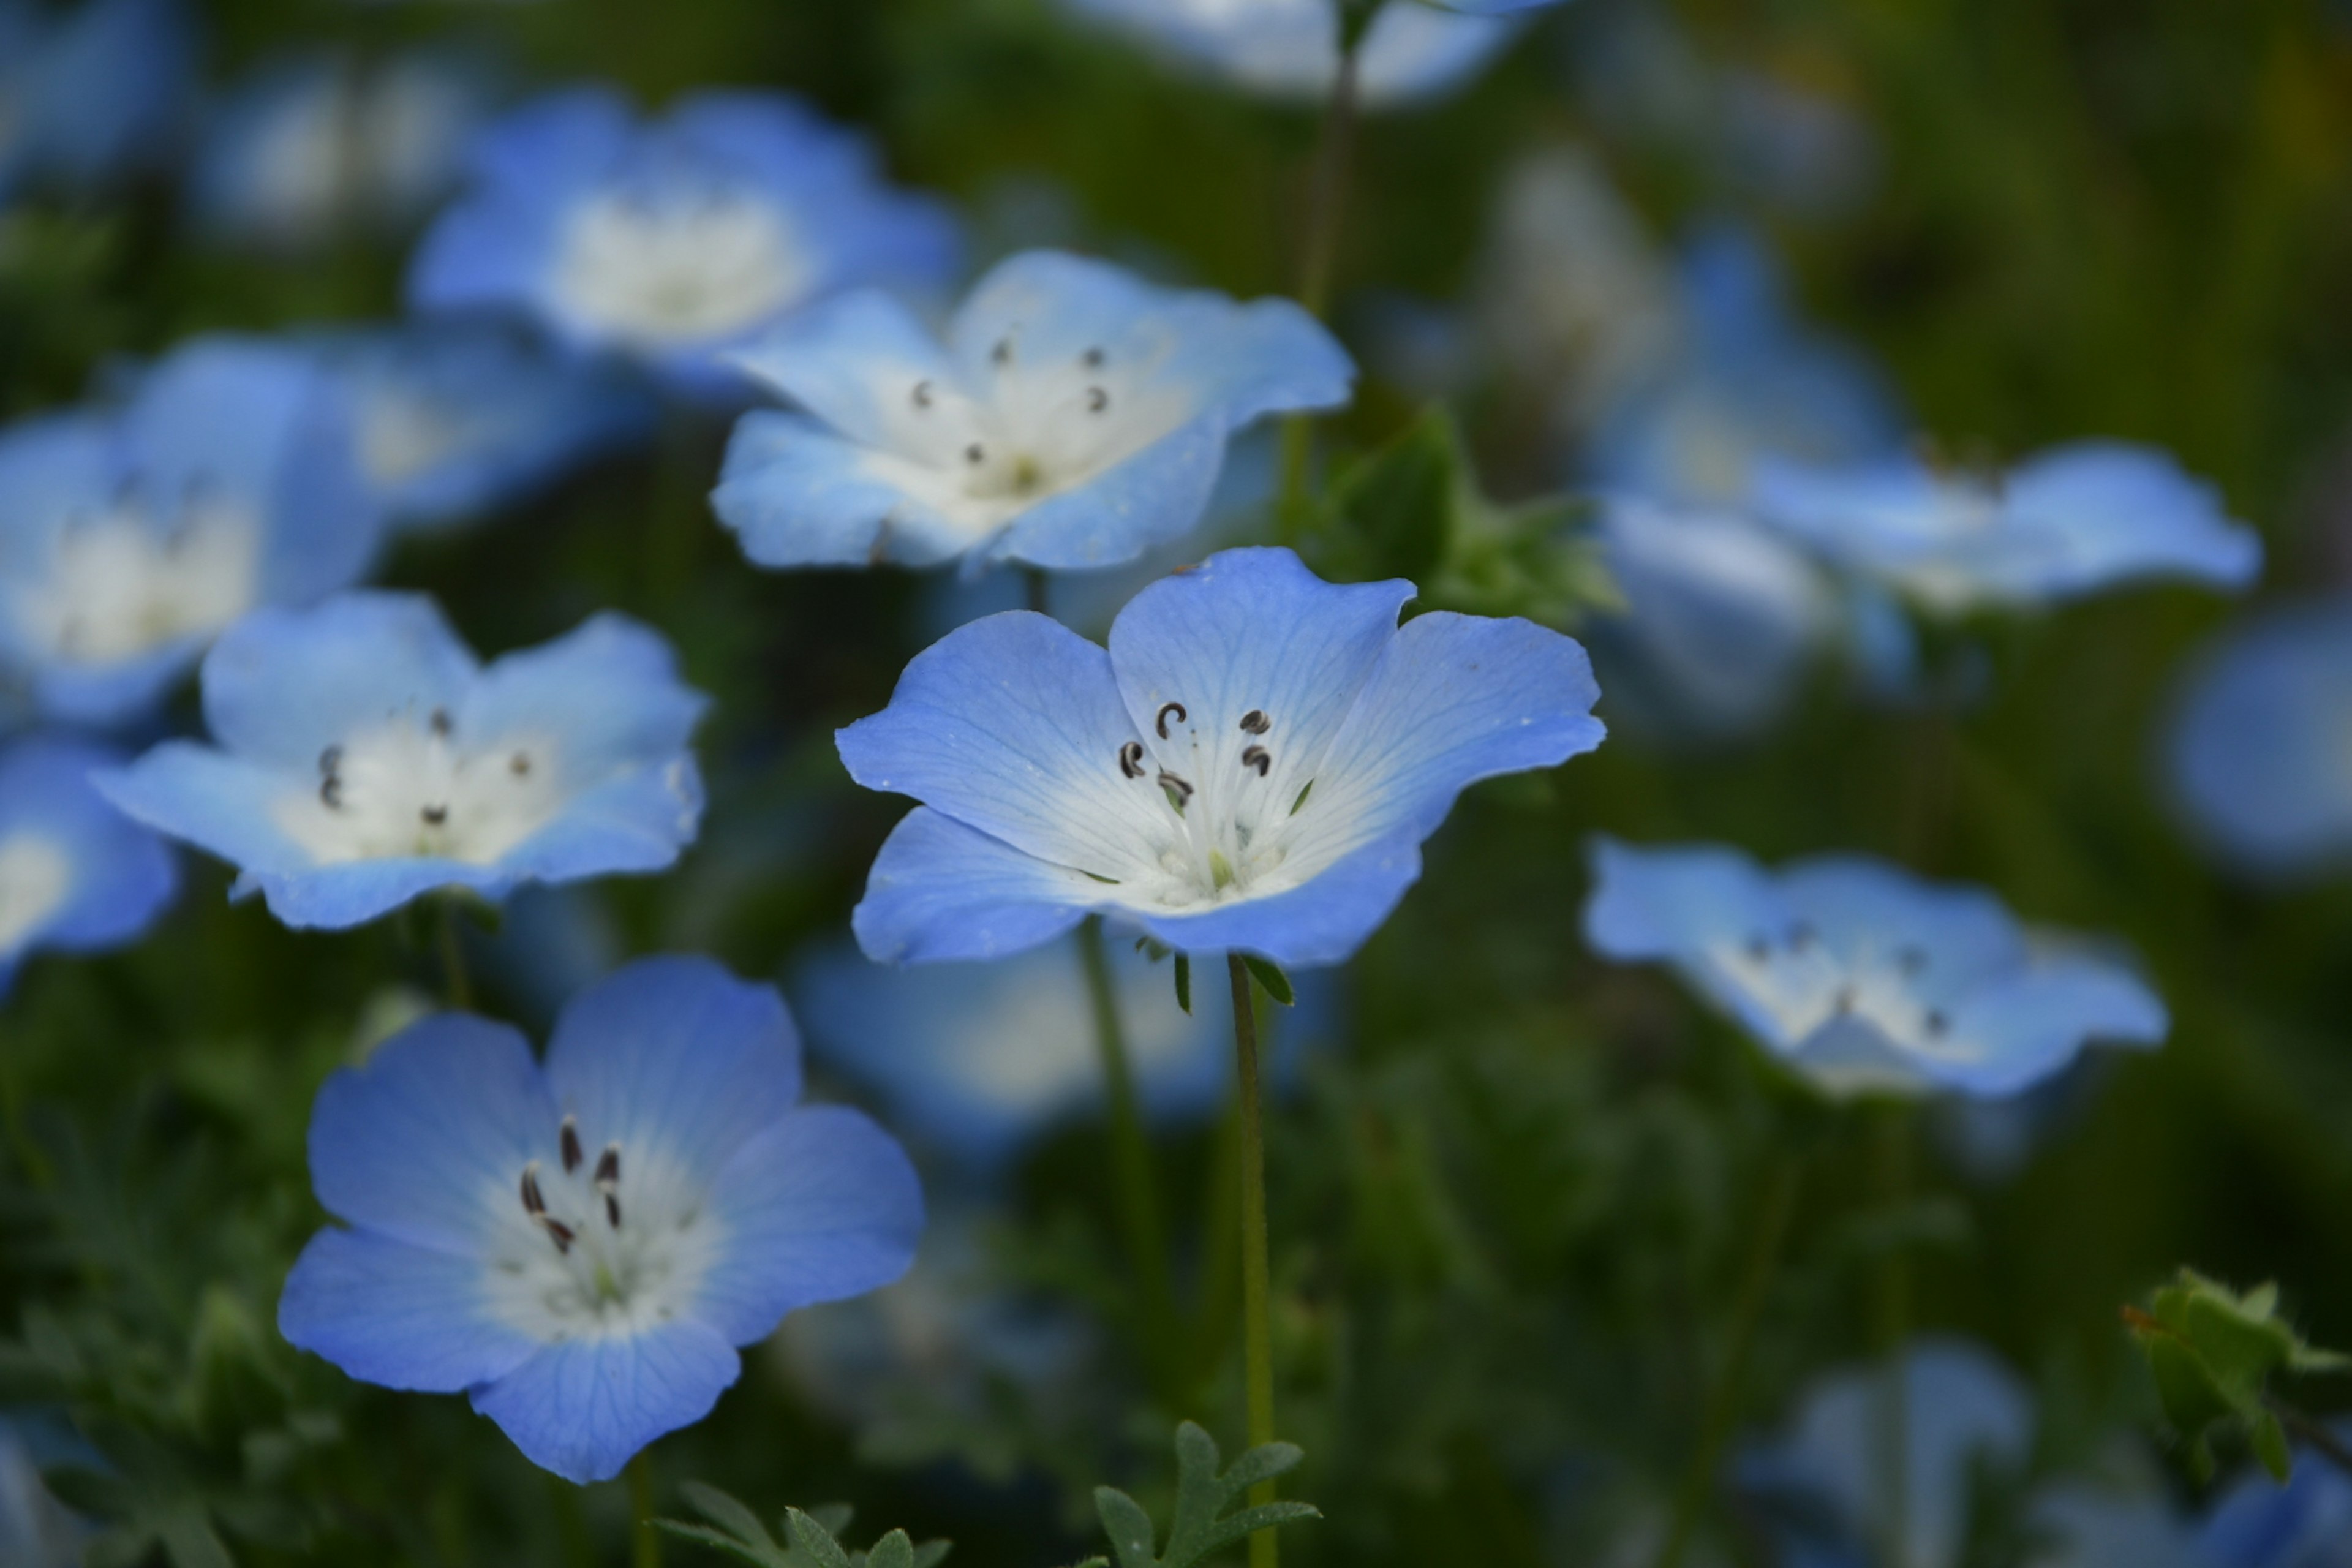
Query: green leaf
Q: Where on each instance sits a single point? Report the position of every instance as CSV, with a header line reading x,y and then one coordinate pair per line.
x,y
1184,982
814,1534
1394,511
893,1550
1269,974
1201,1525
2212,1353
814,1542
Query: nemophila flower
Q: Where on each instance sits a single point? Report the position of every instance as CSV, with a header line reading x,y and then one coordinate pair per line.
x,y
89,93
75,876
1862,976
2066,523
1074,417
1251,765
457,418
129,540
364,757
1290,48
581,1245
677,240
2305,1523
2261,746
1826,1479
315,146
978,1059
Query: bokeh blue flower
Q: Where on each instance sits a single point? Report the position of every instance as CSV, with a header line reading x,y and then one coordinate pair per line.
x,y
1290,48
581,1245
92,92
74,875
2304,1524
364,757
1863,977
129,538
1251,765
676,240
1073,416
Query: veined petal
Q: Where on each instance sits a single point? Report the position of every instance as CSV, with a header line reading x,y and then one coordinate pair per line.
x,y
857,363
1656,903
820,1207
584,1407
942,891
606,696
798,495
400,1316
1157,495
282,685
1013,725
1323,920
640,819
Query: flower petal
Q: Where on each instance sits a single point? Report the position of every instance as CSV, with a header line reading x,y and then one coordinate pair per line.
x,y
121,876
1322,920
798,495
939,889
282,685
583,1408
1158,494
396,1315
2009,1036
854,362
607,695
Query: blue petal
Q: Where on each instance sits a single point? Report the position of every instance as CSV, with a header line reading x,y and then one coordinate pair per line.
x,y
583,1408
2121,512
1662,903
396,1315
121,876
678,1056
1322,920
1856,903
851,362
940,890
820,1206
2024,1028
1160,494
425,1142
282,685
608,693
798,495
1013,725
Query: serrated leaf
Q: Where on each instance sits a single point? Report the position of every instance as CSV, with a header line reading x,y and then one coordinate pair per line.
x,y
1129,1527
1269,974
1200,1524
2212,1353
730,1515
1184,982
814,1542
719,1540
893,1550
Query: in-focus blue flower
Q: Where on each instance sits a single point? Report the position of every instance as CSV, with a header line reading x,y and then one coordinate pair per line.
x,y
1074,417
1290,48
312,147
2260,748
90,95
459,419
580,1247
364,758
1746,383
1827,1474
2306,1523
1862,976
129,541
1251,765
977,1059
2066,523
678,240
74,875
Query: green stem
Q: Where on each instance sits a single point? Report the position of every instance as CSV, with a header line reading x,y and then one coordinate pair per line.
x,y
1257,1314
1130,1154
1326,203
452,958
1723,1406
644,1541
1034,579
1892,1136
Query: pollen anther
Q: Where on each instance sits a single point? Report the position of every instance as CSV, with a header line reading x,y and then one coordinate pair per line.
x,y
1161,723
1131,759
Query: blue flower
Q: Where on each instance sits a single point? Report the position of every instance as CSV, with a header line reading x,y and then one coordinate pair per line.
x,y
676,241
1290,48
74,875
2079,1526
1074,416
2306,1523
90,95
2261,749
459,419
580,1245
129,541
977,1059
1251,767
311,147
366,758
2066,523
1962,1411
1862,976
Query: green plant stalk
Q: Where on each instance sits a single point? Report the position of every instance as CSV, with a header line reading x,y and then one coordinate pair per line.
x,y
458,986
1139,1198
1257,1314
1034,585
1747,1310
644,1541
1892,1127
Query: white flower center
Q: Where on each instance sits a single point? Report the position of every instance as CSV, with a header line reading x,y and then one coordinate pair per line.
x,y
118,585
404,434
412,787
602,1246
1804,984
35,876
1228,797
655,269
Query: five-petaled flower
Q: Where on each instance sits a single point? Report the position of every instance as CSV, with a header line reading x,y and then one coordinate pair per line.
x,y
1251,765
675,241
74,875
2066,523
581,1245
365,758
1074,416
1862,976
129,540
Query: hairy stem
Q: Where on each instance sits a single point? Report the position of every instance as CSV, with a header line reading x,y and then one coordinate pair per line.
x,y
1257,1319
1139,1198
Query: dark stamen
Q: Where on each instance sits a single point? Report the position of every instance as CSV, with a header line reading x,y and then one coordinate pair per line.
x,y
1131,759
975,454
534,1202
1003,352
1911,960
562,1233
520,765
1801,936
440,723
569,1138
1936,1022
1161,723
608,1167
1255,722
331,793
1845,999
434,816
1255,757
1169,781
922,394
612,1210
1092,359
331,762
1759,948
1097,400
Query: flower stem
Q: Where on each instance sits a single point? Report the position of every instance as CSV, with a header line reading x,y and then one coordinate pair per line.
x,y
1257,1318
1326,205
644,1541
1130,1154
454,978
1034,579
1723,1407
1893,1128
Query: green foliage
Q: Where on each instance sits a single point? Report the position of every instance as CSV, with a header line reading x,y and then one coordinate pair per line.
x,y
2213,1353
735,1530
1201,1524
1270,978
